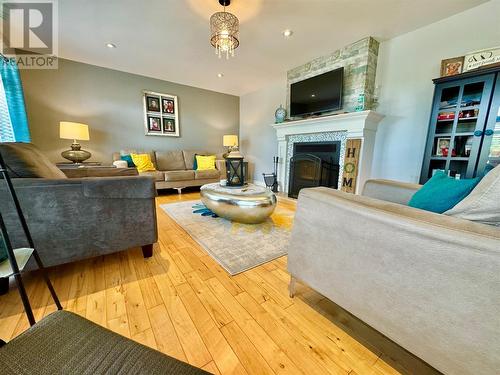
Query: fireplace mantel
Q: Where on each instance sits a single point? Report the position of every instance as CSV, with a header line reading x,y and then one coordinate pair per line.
x,y
355,125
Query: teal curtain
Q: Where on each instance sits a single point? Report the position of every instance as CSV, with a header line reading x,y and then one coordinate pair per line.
x,y
13,120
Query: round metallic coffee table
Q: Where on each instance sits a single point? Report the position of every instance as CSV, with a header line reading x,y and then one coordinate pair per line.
x,y
250,204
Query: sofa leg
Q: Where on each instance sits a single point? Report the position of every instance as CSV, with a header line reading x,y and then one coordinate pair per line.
x,y
147,251
179,190
291,286
4,285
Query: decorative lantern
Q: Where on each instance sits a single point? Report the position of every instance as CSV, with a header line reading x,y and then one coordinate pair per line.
x,y
235,174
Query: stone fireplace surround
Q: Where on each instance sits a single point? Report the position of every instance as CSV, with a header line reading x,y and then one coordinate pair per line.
x,y
355,125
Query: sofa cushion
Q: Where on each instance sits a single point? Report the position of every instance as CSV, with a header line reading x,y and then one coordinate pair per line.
x,y
205,163
24,160
157,175
189,157
124,187
127,159
118,155
208,174
179,175
483,203
441,193
170,160
143,162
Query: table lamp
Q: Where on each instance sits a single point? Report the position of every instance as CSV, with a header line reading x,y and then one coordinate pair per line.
x,y
231,142
76,132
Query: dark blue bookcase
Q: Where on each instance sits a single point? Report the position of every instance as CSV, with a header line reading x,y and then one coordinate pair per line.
x,y
464,129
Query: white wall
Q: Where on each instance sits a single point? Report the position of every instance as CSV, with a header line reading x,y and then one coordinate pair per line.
x,y
257,137
406,67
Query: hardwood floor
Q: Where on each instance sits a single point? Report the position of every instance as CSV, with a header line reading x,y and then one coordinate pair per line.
x,y
184,304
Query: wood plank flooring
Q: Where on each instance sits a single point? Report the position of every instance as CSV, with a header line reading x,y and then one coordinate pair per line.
x,y
184,304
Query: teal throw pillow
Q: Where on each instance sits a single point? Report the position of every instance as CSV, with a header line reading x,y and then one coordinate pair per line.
x,y
129,160
3,250
442,193
195,163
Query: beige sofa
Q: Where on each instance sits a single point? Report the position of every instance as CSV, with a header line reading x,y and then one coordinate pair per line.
x,y
429,282
174,169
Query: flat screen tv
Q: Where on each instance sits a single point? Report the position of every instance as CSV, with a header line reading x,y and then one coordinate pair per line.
x,y
316,95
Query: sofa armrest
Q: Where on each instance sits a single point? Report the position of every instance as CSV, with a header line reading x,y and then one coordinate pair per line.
x,y
390,191
402,215
220,164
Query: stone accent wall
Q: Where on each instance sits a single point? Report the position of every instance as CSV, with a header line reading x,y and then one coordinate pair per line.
x,y
359,60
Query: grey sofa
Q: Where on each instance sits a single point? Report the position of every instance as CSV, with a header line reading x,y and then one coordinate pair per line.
x,y
429,282
74,219
174,169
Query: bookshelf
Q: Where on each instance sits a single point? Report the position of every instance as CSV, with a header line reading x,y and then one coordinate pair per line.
x,y
464,128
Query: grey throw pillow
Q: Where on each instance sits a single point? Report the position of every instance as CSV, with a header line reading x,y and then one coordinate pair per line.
x,y
483,203
24,160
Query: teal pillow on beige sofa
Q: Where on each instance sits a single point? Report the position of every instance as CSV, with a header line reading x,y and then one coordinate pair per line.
x,y
483,203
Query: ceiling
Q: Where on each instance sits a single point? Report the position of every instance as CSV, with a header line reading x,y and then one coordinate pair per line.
x,y
169,39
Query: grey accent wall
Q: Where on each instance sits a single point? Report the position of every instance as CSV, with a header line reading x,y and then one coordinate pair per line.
x,y
110,102
359,61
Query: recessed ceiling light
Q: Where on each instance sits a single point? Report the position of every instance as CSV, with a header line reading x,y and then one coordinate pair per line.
x,y
110,45
313,95
287,33
220,75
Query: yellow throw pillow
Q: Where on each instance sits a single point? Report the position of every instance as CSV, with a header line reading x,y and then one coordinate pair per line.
x,y
143,162
205,163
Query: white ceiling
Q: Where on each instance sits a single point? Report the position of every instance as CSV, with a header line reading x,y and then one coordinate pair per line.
x,y
169,39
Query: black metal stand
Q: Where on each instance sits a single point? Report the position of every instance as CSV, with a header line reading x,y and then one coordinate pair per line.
x,y
271,179
10,251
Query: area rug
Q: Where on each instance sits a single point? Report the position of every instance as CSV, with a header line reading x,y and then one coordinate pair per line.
x,y
236,247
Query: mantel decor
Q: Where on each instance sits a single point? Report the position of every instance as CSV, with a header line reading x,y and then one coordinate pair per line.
x,y
161,114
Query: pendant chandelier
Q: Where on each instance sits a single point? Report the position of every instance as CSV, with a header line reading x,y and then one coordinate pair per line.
x,y
224,28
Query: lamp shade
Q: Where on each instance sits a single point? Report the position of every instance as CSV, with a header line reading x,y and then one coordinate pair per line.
x,y
230,140
74,130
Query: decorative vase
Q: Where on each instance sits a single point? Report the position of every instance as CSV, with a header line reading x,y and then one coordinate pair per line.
x,y
280,114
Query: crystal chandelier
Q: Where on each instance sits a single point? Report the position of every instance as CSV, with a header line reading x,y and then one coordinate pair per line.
x,y
224,28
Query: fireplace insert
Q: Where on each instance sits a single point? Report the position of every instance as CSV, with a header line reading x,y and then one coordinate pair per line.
x,y
314,164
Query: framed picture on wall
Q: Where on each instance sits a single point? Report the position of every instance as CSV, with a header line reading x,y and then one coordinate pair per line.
x,y
161,114
168,125
168,106
153,103
154,124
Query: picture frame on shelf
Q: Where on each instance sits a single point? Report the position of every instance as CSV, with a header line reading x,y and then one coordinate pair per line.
x,y
442,143
453,66
164,120
481,58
